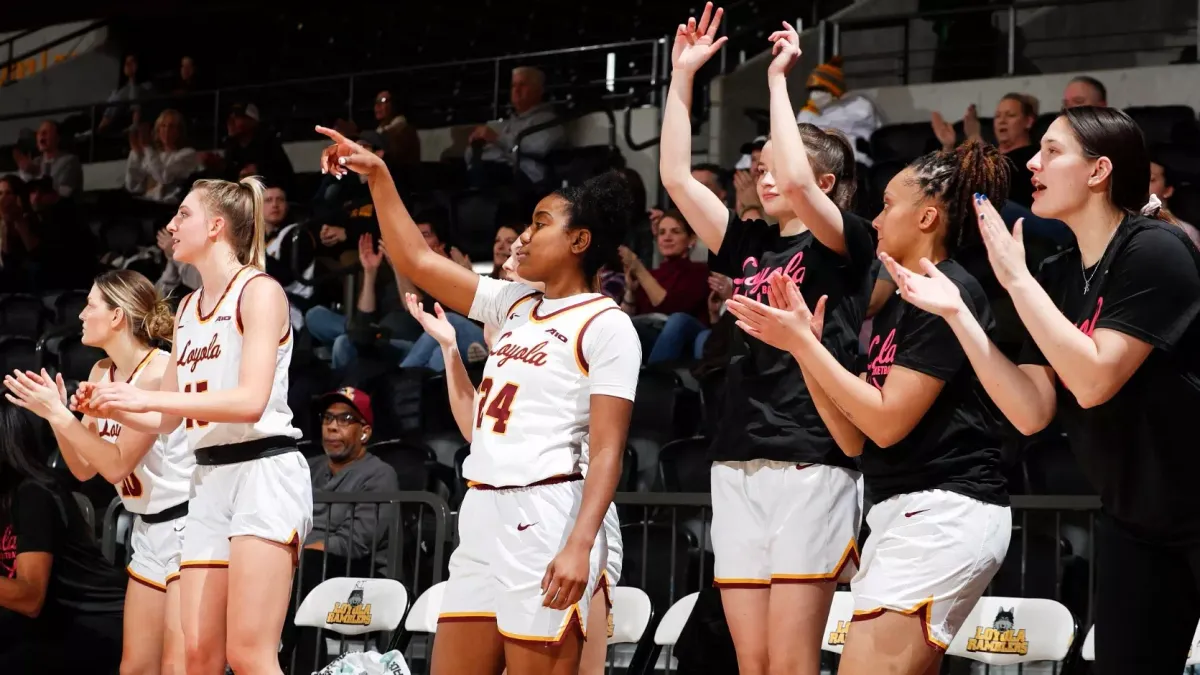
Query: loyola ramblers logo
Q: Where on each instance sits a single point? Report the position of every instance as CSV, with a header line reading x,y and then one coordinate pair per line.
x,y
352,612
838,637
192,357
1002,637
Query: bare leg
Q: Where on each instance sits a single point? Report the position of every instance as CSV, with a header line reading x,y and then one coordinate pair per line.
x,y
595,648
203,592
544,658
795,626
174,656
260,580
746,613
889,644
142,643
467,648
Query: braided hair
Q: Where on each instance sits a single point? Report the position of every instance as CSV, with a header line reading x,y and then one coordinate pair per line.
x,y
953,177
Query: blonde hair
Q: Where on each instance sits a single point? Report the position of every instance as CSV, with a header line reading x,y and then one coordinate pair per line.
x,y
177,116
241,204
148,314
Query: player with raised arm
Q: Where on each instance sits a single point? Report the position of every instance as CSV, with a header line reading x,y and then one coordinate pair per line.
x,y
125,316
786,500
927,437
1114,353
558,387
227,385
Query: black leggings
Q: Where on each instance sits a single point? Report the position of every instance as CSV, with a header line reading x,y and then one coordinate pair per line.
x,y
1147,602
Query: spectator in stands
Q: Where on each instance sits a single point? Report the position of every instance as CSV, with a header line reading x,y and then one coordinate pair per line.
x,y
283,251
402,142
502,247
342,211
1084,90
59,220
129,90
187,81
63,167
745,180
491,156
712,177
177,279
1014,119
643,226
159,165
60,599
678,288
830,107
1162,185
250,149
19,239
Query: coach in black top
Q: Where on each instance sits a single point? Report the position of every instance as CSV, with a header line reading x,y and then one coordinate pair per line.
x,y
786,503
926,433
1114,352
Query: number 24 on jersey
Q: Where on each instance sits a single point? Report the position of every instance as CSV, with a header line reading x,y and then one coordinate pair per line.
x,y
499,408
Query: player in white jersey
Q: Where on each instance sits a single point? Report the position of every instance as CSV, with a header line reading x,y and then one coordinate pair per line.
x,y
559,383
125,316
227,384
462,396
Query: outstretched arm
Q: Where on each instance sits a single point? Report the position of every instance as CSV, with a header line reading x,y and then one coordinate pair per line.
x,y
443,278
461,391
704,211
793,173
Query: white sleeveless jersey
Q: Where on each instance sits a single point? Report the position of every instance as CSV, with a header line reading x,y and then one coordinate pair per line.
x,y
532,409
164,476
209,358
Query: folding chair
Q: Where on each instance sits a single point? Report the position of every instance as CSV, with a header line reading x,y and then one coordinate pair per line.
x,y
424,615
840,614
631,615
352,606
667,633
1008,631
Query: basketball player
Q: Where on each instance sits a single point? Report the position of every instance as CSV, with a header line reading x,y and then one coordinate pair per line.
x,y
125,316
1115,354
558,387
786,501
928,437
462,394
227,384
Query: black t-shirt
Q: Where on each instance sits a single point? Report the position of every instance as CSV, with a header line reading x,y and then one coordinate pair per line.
x,y
768,413
47,520
1138,448
956,444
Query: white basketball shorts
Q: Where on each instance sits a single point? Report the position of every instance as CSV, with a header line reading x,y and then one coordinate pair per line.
x,y
157,548
268,497
614,562
782,522
507,538
930,553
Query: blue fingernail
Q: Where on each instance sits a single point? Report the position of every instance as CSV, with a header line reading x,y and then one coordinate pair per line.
x,y
983,197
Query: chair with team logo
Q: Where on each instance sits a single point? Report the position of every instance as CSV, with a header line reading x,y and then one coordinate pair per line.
x,y
355,607
840,614
1008,631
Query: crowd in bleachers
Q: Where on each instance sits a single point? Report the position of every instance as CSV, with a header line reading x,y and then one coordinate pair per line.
x,y
393,428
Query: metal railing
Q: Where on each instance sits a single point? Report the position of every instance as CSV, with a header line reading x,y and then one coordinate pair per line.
x,y
1016,45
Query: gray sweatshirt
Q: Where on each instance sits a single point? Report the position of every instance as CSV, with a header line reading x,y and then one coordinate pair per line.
x,y
369,474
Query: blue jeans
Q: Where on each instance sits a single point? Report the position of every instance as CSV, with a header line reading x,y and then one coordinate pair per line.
x,y
329,328
682,336
427,353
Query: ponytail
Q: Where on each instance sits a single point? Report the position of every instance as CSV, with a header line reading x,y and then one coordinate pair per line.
x,y
953,177
257,253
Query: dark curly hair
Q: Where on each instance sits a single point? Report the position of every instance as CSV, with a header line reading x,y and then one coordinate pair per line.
x,y
603,206
953,177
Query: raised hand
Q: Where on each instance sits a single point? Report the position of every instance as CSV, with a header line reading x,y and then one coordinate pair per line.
x,y
972,128
367,255
438,327
345,155
1006,251
37,393
786,50
934,293
696,43
943,130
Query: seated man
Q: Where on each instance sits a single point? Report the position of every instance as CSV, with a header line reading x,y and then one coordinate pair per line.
x,y
492,156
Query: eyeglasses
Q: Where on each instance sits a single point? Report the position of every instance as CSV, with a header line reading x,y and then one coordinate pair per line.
x,y
342,420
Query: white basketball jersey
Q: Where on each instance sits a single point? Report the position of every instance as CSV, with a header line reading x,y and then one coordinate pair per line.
x,y
532,409
164,476
208,350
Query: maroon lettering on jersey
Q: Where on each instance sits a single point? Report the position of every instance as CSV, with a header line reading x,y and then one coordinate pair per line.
x,y
190,358
534,356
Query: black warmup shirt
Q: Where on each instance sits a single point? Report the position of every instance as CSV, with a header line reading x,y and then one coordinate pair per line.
x,y
956,444
47,520
768,413
1138,448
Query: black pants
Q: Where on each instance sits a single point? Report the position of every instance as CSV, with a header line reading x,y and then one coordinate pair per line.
x,y
1147,602
59,644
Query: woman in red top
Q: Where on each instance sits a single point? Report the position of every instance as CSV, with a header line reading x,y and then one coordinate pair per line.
x,y
678,287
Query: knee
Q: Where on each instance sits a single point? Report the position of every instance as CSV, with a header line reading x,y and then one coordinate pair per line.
x,y
130,666
245,654
202,656
754,664
344,352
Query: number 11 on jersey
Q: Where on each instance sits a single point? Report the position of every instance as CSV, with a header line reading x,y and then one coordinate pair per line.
x,y
500,408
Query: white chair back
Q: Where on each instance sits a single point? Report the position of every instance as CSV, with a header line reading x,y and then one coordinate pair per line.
x,y
1194,649
672,622
631,612
840,614
424,615
1007,631
1089,645
354,606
